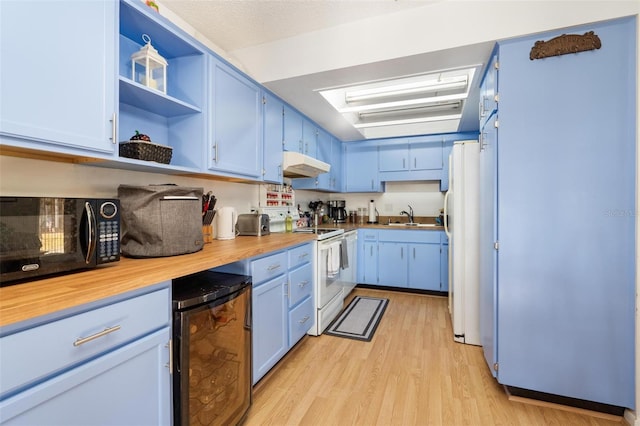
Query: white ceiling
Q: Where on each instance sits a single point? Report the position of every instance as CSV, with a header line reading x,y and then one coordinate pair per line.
x,y
296,47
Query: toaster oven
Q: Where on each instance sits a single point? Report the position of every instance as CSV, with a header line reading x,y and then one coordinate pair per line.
x,y
253,224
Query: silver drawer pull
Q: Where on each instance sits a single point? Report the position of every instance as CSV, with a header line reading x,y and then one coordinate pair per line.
x,y
273,267
303,283
303,320
83,340
303,255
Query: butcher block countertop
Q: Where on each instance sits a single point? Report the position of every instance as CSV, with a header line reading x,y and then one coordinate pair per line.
x,y
32,299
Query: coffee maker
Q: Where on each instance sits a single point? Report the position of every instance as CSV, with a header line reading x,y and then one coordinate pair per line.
x,y
338,211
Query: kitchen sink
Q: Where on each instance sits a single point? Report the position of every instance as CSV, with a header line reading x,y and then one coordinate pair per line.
x,y
412,225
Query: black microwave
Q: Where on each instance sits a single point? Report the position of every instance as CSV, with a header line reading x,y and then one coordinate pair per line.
x,y
42,236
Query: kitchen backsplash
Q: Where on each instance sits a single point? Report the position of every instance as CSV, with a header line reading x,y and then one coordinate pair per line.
x,y
425,198
30,177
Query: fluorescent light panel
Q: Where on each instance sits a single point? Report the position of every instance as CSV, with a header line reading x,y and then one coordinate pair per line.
x,y
427,86
406,104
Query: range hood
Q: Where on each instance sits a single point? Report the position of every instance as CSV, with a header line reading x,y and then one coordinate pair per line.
x,y
297,165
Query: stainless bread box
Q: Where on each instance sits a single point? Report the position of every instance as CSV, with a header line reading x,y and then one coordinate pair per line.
x,y
253,224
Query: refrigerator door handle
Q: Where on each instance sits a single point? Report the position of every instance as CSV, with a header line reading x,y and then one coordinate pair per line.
x,y
445,214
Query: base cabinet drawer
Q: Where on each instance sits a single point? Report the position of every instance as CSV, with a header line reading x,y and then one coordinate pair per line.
x,y
300,321
128,386
34,354
300,284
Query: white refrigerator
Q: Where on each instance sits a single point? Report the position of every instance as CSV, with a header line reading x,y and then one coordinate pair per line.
x,y
461,220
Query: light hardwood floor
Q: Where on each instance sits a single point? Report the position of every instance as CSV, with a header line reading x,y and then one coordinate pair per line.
x,y
411,373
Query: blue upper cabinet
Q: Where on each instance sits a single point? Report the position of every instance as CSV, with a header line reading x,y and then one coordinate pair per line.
x,y
292,130
272,113
489,90
361,167
324,181
309,138
51,100
337,151
394,155
235,123
425,153
176,118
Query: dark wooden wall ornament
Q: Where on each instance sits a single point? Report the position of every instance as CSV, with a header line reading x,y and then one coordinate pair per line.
x,y
566,43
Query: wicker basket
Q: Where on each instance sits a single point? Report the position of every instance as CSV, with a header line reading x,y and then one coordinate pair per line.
x,y
146,151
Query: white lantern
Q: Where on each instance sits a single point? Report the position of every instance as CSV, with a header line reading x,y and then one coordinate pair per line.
x,y
148,67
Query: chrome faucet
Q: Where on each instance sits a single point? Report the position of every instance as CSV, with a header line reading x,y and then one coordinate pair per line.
x,y
409,214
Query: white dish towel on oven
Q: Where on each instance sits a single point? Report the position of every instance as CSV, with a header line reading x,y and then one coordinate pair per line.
x,y
333,259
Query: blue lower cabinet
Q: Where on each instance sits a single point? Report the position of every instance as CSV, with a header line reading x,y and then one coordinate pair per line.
x,y
300,320
282,302
117,375
424,266
403,258
270,331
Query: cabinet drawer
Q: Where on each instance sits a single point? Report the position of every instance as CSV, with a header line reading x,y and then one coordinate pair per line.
x,y
408,236
300,284
300,321
268,267
300,255
39,352
369,234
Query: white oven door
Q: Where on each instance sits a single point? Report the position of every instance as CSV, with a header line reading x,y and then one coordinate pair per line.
x,y
329,283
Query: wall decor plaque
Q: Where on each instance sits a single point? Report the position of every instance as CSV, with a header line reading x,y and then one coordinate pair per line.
x,y
565,43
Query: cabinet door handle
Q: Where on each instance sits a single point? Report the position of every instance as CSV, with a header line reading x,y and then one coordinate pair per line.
x,y
371,251
273,267
404,163
415,164
303,255
303,320
215,153
414,252
401,252
169,346
82,340
114,128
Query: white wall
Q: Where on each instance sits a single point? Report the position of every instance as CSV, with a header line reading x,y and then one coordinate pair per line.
x,y
28,177
425,198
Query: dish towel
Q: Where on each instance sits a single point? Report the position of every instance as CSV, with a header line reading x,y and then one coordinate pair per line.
x,y
344,256
333,260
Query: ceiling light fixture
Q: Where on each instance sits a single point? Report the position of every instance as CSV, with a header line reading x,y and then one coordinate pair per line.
x,y
408,105
425,86
407,121
404,103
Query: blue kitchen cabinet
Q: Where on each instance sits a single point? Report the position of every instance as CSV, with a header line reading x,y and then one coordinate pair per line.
x,y
50,101
393,155
292,130
118,374
329,150
309,138
361,167
444,262
235,123
324,180
337,155
392,263
447,147
177,118
367,269
489,91
282,302
425,153
270,328
554,304
273,135
488,237
424,271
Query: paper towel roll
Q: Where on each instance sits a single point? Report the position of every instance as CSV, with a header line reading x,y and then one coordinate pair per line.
x,y
372,212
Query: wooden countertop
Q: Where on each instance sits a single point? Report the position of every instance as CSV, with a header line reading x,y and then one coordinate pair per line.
x,y
32,299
